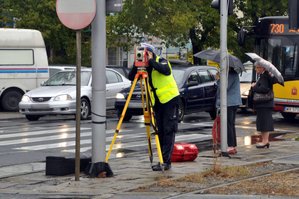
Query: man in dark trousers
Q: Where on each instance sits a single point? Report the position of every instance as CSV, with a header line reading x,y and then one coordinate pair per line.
x,y
164,97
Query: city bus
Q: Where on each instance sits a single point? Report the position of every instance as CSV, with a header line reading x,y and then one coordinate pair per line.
x,y
23,65
278,44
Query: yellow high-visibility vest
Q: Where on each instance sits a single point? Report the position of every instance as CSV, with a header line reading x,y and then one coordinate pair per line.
x,y
165,85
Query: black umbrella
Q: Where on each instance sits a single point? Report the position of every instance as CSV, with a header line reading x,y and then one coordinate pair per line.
x,y
214,55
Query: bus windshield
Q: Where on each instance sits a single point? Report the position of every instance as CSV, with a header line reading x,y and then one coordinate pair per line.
x,y
283,53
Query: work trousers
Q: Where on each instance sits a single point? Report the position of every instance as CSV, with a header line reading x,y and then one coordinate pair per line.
x,y
166,116
231,129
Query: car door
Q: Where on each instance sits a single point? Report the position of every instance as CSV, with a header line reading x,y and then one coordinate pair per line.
x,y
194,91
114,84
209,85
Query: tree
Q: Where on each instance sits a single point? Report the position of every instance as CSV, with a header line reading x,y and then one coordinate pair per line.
x,y
178,22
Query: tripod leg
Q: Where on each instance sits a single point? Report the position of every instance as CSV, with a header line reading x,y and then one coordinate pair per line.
x,y
148,133
149,107
146,115
121,118
159,149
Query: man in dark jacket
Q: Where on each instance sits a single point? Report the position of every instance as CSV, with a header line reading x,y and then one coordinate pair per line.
x,y
164,97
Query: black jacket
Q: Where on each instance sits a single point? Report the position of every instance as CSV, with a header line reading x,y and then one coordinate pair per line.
x,y
263,85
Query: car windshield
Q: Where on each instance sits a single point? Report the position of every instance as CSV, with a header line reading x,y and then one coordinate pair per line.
x,y
68,78
178,75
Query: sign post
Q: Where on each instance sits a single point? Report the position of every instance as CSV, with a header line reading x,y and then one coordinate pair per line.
x,y
76,15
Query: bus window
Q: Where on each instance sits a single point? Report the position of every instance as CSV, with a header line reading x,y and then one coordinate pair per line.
x,y
284,56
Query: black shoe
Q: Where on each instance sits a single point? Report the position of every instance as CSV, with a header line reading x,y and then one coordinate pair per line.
x,y
158,167
261,146
167,166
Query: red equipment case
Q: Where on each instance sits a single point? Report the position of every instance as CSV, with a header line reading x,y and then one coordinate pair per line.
x,y
184,152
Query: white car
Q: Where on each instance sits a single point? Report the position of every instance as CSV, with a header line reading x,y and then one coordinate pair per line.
x,y
57,96
246,79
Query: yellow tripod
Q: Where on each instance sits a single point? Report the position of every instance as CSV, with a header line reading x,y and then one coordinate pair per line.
x,y
147,113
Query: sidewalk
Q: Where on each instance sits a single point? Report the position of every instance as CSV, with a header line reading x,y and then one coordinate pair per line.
x,y
132,172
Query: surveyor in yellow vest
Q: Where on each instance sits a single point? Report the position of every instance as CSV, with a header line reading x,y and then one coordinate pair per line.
x,y
164,97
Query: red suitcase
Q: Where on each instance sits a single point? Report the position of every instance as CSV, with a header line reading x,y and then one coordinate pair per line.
x,y
184,152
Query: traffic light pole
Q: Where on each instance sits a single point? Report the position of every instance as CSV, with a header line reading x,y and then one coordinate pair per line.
x,y
98,167
223,75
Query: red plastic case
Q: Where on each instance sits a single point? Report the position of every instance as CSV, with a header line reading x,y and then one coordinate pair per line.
x,y
184,152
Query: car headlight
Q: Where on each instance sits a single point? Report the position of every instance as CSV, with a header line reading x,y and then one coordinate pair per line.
x,y
25,98
64,97
120,96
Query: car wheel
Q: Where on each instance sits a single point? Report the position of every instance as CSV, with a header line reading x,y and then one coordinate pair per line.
x,y
85,109
213,113
289,116
127,117
10,100
32,117
181,110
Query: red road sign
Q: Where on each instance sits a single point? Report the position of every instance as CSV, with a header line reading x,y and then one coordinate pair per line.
x,y
76,14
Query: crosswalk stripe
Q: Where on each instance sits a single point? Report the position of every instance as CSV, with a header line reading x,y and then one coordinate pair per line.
x,y
30,133
65,135
68,143
65,144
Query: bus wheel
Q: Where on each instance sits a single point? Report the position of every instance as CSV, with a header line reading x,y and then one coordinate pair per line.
x,y
213,113
288,116
10,100
32,117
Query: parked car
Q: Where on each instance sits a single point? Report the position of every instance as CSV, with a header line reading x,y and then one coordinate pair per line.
x,y
246,78
53,69
58,94
197,86
121,69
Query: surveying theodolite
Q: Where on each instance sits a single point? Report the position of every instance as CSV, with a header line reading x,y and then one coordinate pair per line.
x,y
141,62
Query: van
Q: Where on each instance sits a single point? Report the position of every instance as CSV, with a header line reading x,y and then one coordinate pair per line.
x,y
23,65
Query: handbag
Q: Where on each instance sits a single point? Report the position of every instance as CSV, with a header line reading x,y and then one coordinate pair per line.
x,y
263,97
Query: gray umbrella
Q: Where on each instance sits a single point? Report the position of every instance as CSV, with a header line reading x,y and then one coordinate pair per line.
x,y
214,55
267,65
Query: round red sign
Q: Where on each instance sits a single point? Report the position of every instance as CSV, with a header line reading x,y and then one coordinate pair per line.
x,y
76,14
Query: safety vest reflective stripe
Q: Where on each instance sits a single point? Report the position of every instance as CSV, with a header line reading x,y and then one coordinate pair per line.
x,y
165,85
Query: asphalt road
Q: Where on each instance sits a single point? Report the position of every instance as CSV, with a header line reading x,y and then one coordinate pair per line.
x,y
22,141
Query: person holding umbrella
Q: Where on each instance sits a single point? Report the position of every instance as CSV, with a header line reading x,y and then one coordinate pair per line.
x,y
233,102
264,120
233,92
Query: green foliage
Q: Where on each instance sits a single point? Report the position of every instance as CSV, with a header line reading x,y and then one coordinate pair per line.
x,y
175,21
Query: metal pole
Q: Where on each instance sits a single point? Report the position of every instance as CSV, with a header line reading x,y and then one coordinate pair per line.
x,y
223,73
98,35
78,105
